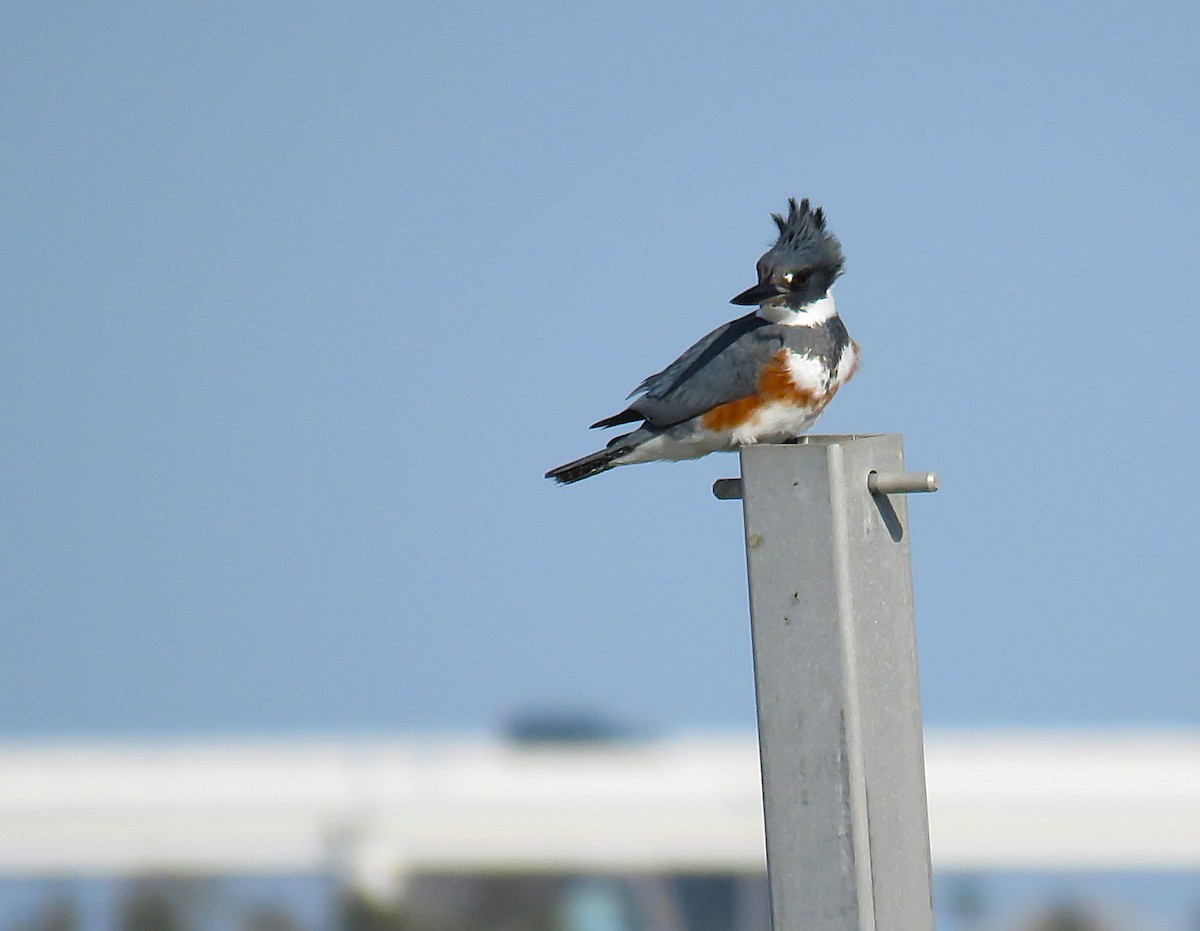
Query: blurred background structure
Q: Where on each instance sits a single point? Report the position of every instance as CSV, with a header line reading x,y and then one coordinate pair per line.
x,y
561,834
299,300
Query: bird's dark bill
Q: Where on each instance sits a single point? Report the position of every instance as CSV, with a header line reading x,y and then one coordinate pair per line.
x,y
756,295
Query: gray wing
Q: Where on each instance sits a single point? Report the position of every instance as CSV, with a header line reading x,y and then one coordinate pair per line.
x,y
661,382
721,367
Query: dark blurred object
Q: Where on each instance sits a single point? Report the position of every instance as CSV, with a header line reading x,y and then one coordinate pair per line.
x,y
168,903
149,910
357,912
269,918
58,915
538,726
560,901
1068,918
967,901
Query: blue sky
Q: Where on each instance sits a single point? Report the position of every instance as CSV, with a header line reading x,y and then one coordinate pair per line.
x,y
299,301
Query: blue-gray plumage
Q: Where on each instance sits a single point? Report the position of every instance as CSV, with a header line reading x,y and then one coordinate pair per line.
x,y
762,377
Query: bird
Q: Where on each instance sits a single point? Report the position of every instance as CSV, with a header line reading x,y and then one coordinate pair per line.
x,y
762,378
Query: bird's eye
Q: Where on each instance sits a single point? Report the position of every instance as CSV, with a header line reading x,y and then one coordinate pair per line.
x,y
796,279
787,278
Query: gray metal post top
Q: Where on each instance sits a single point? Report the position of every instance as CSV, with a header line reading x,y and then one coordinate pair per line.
x,y
835,669
878,483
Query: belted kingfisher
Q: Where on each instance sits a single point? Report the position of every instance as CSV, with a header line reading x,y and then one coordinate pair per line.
x,y
762,378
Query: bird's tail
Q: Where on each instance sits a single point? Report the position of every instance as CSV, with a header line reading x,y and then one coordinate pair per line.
x,y
597,462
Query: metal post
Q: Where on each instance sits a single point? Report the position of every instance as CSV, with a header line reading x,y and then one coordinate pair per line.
x,y
839,716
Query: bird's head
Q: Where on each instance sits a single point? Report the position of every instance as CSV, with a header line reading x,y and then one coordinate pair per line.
x,y
802,265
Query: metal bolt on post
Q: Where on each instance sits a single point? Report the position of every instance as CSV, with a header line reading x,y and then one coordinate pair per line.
x,y
835,669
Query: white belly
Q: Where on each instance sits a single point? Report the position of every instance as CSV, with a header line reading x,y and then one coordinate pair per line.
x,y
775,423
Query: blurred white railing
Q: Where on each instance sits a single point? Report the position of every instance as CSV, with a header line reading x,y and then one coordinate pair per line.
x,y
375,809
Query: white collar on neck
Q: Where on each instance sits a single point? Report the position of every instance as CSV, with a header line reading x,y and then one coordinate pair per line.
x,y
814,314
